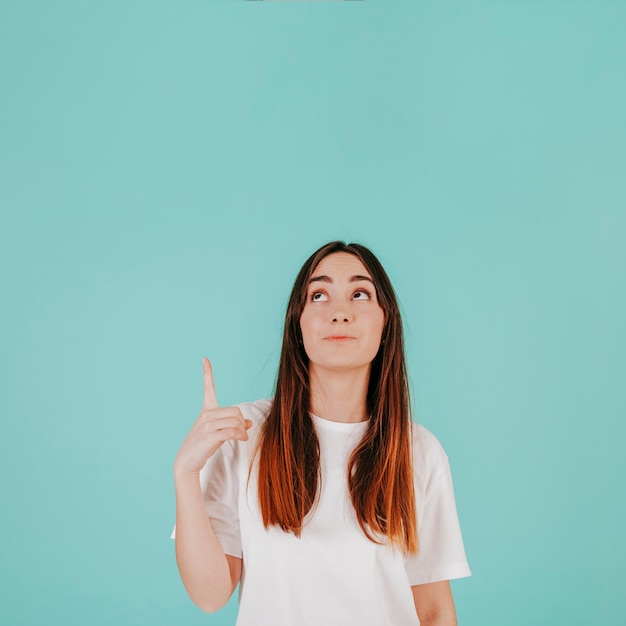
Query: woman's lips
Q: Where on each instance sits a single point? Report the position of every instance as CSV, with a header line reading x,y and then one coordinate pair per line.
x,y
339,338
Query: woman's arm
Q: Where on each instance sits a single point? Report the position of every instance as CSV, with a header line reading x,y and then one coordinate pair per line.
x,y
209,575
434,604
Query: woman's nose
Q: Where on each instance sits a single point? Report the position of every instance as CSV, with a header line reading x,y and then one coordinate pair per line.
x,y
340,315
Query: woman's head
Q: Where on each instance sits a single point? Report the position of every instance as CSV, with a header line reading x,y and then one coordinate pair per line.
x,y
342,289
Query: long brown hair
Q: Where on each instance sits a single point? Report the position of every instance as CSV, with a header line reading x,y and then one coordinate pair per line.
x,y
379,472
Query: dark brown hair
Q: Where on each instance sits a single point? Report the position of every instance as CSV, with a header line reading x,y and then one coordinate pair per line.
x,y
379,472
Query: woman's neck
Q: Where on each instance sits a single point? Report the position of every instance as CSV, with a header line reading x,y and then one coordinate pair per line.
x,y
339,396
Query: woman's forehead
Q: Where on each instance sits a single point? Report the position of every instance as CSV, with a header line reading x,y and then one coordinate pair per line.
x,y
340,265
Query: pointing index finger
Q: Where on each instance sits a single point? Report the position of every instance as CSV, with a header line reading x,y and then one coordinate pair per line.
x,y
210,397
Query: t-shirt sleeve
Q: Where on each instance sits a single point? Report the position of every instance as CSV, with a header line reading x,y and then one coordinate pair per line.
x,y
220,489
441,554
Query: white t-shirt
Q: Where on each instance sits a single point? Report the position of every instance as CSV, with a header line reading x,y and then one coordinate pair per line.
x,y
332,575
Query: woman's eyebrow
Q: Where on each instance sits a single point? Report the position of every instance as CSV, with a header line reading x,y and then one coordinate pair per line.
x,y
328,279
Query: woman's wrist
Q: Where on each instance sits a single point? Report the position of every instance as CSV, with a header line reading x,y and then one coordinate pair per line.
x,y
186,478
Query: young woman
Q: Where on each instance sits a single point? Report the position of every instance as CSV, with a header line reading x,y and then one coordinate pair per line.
x,y
327,504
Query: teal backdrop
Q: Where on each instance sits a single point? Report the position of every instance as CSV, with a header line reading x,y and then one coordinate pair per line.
x,y
166,167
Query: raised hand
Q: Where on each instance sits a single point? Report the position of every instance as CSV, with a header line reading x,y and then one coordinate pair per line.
x,y
213,427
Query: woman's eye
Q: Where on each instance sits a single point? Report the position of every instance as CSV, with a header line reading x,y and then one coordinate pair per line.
x,y
361,295
319,296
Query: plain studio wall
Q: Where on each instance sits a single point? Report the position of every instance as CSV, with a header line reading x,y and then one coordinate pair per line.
x,y
166,167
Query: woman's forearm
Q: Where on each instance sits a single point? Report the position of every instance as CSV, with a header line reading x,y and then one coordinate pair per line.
x,y
202,564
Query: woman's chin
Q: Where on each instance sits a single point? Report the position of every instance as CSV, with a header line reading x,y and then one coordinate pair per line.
x,y
339,365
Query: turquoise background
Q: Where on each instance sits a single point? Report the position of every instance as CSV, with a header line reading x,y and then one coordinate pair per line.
x,y
165,169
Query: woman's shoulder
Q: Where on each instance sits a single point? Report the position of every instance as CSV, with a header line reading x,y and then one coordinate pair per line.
x,y
255,411
427,449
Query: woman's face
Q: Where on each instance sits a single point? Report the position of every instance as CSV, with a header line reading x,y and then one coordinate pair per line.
x,y
342,322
